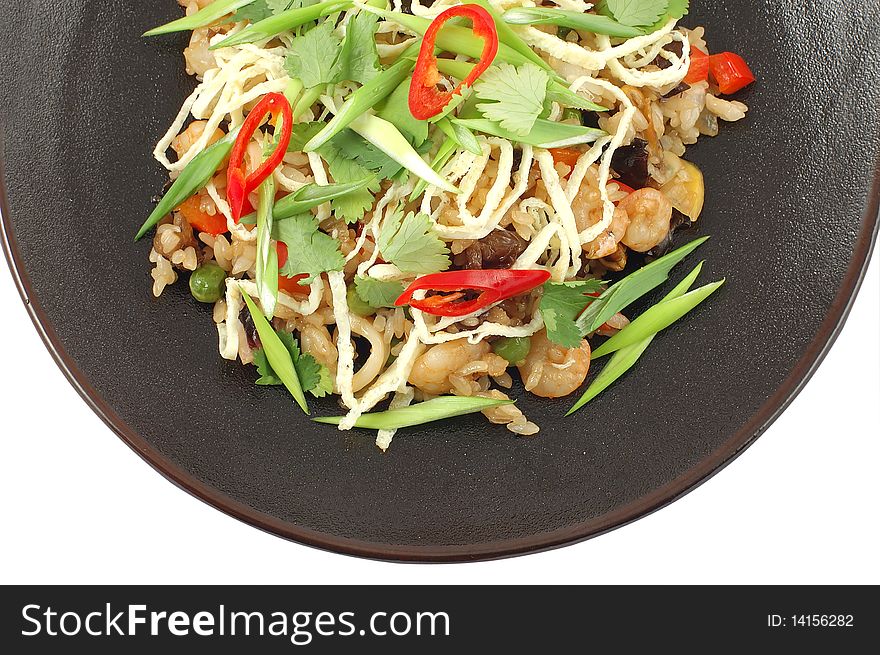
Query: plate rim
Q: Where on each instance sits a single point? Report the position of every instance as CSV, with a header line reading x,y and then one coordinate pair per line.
x,y
803,370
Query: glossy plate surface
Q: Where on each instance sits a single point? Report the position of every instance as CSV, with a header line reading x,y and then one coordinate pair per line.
x,y
791,207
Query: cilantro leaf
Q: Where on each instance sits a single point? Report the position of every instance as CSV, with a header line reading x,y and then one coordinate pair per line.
x,y
561,303
351,206
325,381
308,370
302,133
517,95
359,59
312,56
378,293
257,11
309,251
410,243
677,9
352,145
635,13
397,112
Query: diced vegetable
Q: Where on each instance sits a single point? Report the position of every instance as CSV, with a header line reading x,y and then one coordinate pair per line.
x,y
208,283
699,68
513,349
730,71
201,221
686,190
420,413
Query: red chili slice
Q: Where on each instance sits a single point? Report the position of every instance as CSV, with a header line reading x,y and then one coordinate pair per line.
x,y
238,186
491,286
425,100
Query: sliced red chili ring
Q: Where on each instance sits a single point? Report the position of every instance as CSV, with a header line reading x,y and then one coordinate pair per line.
x,y
425,100
238,186
490,286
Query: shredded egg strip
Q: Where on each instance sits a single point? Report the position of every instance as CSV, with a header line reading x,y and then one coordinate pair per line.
x,y
345,366
402,398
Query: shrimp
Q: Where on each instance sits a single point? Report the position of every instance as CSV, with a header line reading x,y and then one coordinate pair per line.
x,y
588,209
649,214
551,371
435,366
193,132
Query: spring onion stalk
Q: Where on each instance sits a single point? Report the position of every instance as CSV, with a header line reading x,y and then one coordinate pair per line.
x,y
286,20
277,354
544,133
575,20
294,88
657,318
307,99
625,358
308,197
556,90
619,295
446,150
267,256
366,97
452,38
429,411
205,16
508,36
192,178
389,140
462,136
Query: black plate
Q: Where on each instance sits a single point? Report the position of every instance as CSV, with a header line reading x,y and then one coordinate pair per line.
x,y
792,209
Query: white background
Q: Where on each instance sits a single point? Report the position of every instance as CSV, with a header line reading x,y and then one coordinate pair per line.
x,y
800,506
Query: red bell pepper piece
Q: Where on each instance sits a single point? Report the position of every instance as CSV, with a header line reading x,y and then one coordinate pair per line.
x,y
730,71
291,284
699,69
455,287
425,99
567,156
191,208
238,186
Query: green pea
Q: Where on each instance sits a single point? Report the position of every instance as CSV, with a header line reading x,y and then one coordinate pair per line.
x,y
356,304
208,283
513,349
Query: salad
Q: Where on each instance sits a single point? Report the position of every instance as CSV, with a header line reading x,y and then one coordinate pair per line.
x,y
421,204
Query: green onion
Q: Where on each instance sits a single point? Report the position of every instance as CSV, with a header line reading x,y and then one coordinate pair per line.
x,y
556,90
619,295
205,16
544,133
365,98
447,149
508,36
389,140
283,22
452,38
624,358
267,255
657,318
461,135
420,413
192,178
307,99
572,19
308,197
277,354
